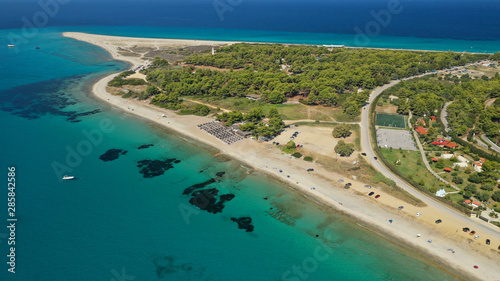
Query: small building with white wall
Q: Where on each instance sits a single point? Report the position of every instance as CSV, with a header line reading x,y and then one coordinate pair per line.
x,y
460,164
462,159
447,156
478,166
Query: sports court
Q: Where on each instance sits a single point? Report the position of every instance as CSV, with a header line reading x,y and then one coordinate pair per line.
x,y
396,139
390,120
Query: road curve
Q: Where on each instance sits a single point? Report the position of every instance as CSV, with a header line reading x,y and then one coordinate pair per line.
x,y
493,145
366,146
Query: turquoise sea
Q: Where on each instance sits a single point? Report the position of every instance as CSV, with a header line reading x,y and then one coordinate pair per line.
x,y
113,223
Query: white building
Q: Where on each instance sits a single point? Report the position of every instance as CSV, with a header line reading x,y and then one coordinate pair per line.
x,y
446,156
462,159
461,164
440,193
477,166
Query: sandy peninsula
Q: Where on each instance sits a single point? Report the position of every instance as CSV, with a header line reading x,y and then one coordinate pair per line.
x,y
320,185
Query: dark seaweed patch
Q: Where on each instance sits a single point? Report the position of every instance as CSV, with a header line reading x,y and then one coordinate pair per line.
x,y
112,154
206,200
145,146
73,117
244,223
167,266
154,168
50,97
194,187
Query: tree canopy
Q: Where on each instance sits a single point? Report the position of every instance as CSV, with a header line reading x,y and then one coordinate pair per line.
x,y
343,148
341,131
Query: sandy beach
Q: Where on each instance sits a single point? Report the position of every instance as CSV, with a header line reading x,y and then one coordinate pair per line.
x,y
321,185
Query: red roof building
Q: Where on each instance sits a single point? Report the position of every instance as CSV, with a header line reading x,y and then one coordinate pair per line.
x,y
435,159
451,145
433,118
421,130
482,160
472,203
447,169
440,142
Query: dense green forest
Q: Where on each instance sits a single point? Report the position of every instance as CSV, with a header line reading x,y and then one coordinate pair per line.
x,y
427,95
276,72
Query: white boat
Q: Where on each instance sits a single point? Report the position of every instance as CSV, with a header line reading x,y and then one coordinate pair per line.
x,y
11,46
68,177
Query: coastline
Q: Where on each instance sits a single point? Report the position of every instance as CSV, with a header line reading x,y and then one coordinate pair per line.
x,y
327,191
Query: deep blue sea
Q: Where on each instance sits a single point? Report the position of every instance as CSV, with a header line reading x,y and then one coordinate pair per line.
x,y
112,222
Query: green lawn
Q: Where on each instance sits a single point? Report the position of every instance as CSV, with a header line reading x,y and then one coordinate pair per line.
x,y
412,167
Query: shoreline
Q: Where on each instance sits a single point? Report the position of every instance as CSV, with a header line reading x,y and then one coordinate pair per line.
x,y
280,43
328,192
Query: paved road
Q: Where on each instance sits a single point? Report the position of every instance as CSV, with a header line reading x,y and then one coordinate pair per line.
x,y
444,115
480,226
424,158
493,145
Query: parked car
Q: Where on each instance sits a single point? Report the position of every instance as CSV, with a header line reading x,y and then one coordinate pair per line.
x,y
375,157
368,186
364,154
377,196
466,229
439,221
310,170
371,193
487,241
400,208
476,236
349,184
340,180
472,232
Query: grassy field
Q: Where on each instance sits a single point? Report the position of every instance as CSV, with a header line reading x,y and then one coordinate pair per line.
x,y
288,111
412,167
390,120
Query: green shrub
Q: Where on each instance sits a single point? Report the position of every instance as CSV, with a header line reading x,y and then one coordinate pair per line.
x,y
297,155
308,158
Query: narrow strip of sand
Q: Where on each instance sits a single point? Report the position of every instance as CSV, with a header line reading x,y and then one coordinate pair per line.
x,y
268,159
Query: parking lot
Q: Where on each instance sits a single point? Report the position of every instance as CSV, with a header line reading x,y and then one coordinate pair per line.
x,y
395,139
